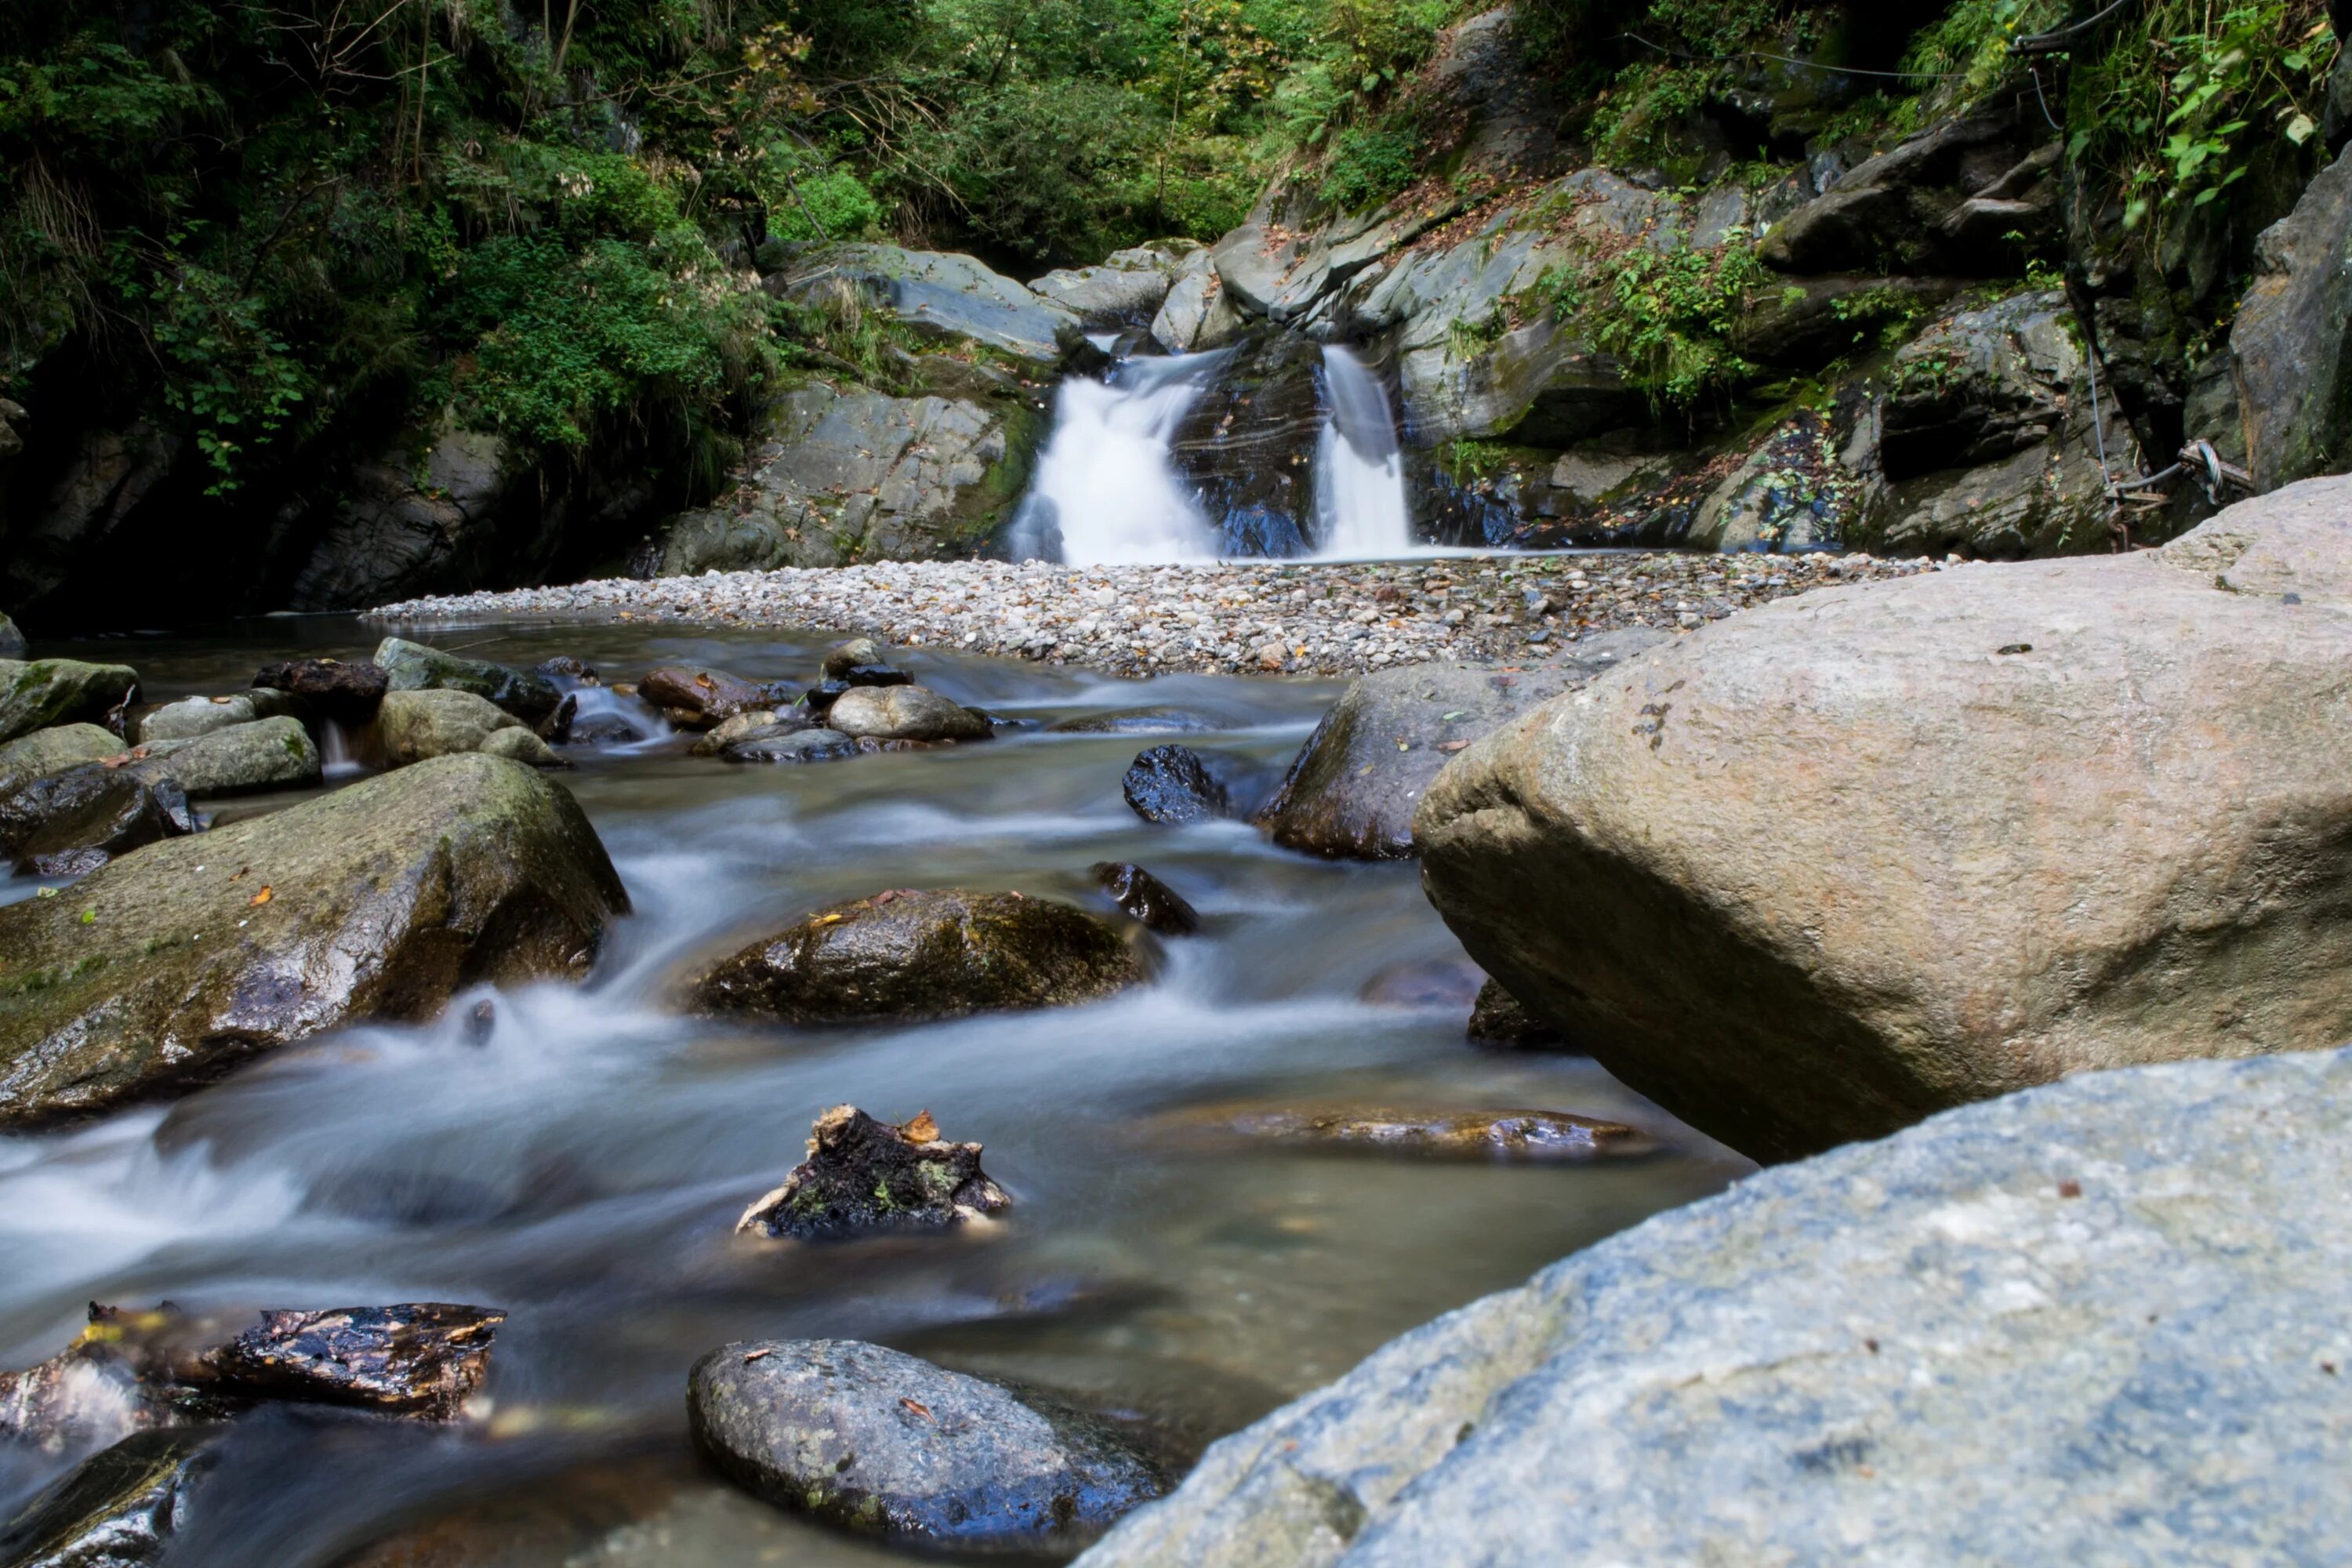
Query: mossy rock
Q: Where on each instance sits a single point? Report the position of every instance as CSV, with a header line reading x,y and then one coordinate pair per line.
x,y
176,962
49,691
911,955
53,750
414,667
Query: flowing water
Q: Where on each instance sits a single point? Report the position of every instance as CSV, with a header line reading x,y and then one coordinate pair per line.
x,y
1360,469
582,1163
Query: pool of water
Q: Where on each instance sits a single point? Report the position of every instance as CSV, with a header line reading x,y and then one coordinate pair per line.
x,y
581,1164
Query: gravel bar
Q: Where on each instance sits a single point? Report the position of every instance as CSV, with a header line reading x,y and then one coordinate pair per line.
x,y
1299,618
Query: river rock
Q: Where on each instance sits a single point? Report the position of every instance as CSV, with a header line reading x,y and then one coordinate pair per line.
x,y
268,753
1915,843
1135,721
425,1358
851,653
695,698
2002,1326
862,1175
518,744
915,954
412,726
2287,341
937,295
77,820
1501,1135
414,667
12,641
904,713
53,750
173,965
1174,783
790,742
1197,314
49,691
1155,905
740,726
1352,790
881,1442
1497,1019
118,1508
344,692
192,717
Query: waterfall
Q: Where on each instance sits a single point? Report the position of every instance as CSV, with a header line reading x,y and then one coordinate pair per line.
x,y
1359,507
1104,489
335,758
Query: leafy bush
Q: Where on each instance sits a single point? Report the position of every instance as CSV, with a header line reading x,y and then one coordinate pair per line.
x,y
1370,166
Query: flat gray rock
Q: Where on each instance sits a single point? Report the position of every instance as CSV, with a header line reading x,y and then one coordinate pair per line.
x,y
266,753
868,1438
942,295
2096,1322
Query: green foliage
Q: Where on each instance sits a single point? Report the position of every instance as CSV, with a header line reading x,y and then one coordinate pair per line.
x,y
1367,167
1668,316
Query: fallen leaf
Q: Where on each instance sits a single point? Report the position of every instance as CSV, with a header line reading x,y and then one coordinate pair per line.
x,y
704,681
751,1356
830,920
922,1129
260,898
917,1407
1452,745
238,874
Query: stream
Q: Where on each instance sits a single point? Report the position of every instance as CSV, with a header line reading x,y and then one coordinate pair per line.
x,y
579,1160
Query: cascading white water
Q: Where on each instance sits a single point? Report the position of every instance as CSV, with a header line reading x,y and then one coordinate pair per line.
x,y
335,759
1359,508
1104,490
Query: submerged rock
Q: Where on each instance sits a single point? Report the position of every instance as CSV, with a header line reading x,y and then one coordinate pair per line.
x,y
77,820
1509,1136
864,1174
694,698
268,753
1135,721
795,743
1498,1018
915,954
173,965
49,691
903,713
1173,783
2002,1326
1352,789
881,1442
414,667
1817,871
118,1508
1154,904
346,693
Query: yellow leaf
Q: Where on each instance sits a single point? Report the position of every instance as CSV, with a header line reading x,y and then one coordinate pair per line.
x,y
260,898
922,1129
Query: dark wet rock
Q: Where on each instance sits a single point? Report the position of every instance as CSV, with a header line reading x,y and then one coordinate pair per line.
x,y
567,667
53,750
1509,1136
795,743
1135,721
346,693
1425,983
173,965
268,753
2287,344
903,713
2020,1320
862,1175
873,675
425,1358
414,667
1156,905
556,728
409,525
923,954
51,691
883,1443
1498,1018
1352,790
193,718
1245,446
118,1508
12,641
694,698
1174,783
77,819
414,726
851,653
605,730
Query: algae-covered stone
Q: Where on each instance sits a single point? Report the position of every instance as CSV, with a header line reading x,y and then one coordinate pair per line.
x,y
517,744
883,1443
268,753
173,965
53,750
192,717
59,692
412,726
918,954
414,667
2100,1322
864,1174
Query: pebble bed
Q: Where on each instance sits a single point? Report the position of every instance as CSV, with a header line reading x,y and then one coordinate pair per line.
x,y
1251,617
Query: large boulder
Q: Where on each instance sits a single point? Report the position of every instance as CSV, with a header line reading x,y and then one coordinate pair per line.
x,y
1196,314
414,726
418,666
883,1443
412,525
912,954
2287,344
903,713
1126,290
268,753
49,691
1823,868
2099,1321
1353,787
937,295
174,964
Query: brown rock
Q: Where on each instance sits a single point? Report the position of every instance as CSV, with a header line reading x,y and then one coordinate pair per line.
x,y
864,1174
1151,901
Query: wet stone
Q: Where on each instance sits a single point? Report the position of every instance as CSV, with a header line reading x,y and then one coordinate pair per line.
x,y
346,693
418,1359
1499,1019
887,1444
873,675
1503,1135
415,667
904,713
851,653
862,1175
89,810
1156,905
793,743
118,1508
1135,721
698,699
1173,783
